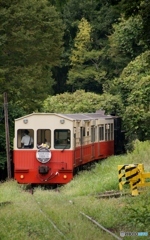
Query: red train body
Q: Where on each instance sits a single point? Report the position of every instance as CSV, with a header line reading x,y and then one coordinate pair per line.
x,y
61,144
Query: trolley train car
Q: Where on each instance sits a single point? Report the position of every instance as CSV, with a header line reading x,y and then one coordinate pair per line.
x,y
57,144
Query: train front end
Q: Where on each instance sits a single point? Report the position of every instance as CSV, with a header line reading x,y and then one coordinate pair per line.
x,y
48,159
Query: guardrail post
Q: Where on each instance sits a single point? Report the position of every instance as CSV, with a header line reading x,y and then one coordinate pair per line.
x,y
121,176
132,175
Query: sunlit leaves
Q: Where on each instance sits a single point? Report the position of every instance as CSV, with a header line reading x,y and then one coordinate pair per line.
x,y
81,101
82,42
134,88
84,60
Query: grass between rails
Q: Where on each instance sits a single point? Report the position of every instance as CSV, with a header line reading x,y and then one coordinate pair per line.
x,y
25,216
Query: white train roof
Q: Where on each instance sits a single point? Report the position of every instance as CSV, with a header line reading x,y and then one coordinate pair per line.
x,y
85,116
71,116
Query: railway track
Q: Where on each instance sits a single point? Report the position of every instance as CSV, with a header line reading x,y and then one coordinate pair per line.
x,y
100,226
50,221
63,235
112,194
83,214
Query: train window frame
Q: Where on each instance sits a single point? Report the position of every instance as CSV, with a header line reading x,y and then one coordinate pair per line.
x,y
59,141
93,134
82,135
101,132
45,137
83,132
112,131
109,131
20,134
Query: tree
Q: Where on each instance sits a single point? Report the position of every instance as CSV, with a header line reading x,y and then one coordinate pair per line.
x,y
144,11
84,60
137,114
30,45
14,111
81,101
58,4
141,8
100,15
125,41
133,85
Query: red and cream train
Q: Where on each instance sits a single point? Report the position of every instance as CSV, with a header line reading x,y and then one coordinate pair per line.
x,y
72,140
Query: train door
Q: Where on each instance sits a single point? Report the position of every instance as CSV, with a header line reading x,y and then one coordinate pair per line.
x,y
74,144
92,142
100,137
78,144
81,144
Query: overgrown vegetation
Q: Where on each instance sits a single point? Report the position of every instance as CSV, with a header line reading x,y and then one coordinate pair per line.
x,y
56,214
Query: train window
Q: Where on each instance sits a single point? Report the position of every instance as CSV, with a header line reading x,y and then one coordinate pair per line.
x,y
83,131
25,138
82,134
62,139
74,139
109,131
44,137
92,134
112,131
101,132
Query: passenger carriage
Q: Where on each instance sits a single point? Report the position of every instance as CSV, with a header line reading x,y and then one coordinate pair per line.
x,y
72,141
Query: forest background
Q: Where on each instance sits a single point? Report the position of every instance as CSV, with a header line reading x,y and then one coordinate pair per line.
x,y
75,56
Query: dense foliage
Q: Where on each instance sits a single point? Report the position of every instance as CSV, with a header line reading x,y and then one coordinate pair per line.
x,y
71,56
30,45
81,101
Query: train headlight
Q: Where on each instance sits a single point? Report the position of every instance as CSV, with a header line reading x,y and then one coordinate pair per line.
x,y
65,176
21,176
43,155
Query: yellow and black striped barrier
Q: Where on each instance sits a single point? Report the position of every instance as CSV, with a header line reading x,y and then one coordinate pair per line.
x,y
132,174
121,175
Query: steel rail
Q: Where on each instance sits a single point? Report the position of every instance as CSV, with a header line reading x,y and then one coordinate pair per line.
x,y
52,223
100,226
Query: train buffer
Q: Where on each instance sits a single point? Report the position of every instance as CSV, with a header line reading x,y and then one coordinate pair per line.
x,y
133,175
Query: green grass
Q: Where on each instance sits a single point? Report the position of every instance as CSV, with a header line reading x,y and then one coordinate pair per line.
x,y
56,214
